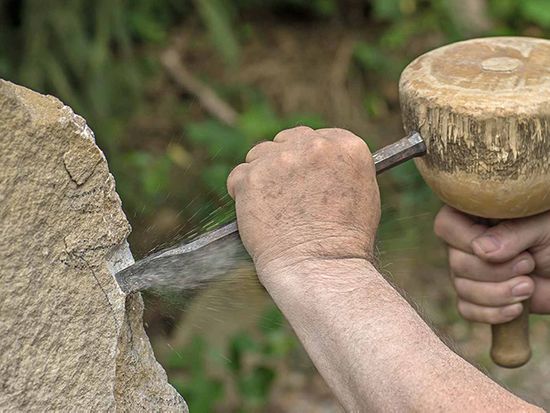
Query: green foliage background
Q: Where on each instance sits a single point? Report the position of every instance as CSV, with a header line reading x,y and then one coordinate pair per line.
x,y
102,58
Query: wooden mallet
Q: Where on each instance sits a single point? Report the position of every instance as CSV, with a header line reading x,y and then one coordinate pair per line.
x,y
483,109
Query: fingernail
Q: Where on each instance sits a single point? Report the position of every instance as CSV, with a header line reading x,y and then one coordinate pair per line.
x,y
487,243
523,267
512,310
523,289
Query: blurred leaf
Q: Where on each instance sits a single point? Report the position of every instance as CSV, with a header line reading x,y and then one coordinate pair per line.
x,y
256,385
537,11
504,9
259,122
375,105
313,121
325,7
215,176
4,67
219,139
371,57
216,17
147,27
179,155
272,320
398,34
386,9
61,83
322,8
279,343
175,360
156,178
240,344
201,392
150,174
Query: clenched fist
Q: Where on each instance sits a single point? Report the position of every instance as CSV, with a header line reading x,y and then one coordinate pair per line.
x,y
495,269
307,195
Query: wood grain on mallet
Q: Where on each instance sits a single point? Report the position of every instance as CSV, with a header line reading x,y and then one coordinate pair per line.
x,y
483,109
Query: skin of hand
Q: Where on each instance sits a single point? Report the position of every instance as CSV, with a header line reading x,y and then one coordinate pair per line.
x,y
308,194
307,210
494,269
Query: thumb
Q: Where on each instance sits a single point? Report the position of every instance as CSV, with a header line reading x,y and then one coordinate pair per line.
x,y
509,238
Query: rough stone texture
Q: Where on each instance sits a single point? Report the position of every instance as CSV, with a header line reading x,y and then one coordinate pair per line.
x,y
70,340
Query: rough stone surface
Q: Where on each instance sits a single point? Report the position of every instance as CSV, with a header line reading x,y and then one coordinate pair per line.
x,y
70,339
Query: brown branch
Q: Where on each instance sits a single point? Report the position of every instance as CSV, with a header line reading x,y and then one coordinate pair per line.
x,y
211,102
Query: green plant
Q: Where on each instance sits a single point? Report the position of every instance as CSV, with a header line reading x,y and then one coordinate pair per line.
x,y
227,145
201,391
251,364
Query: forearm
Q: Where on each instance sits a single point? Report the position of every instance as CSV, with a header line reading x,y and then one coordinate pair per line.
x,y
372,348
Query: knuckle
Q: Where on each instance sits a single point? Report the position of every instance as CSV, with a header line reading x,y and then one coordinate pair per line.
x,y
354,145
502,293
461,286
318,146
260,146
476,313
250,155
300,129
337,133
233,175
463,309
286,158
529,260
479,314
459,262
506,228
492,315
280,134
235,178
293,132
507,232
440,223
345,138
355,142
254,177
259,150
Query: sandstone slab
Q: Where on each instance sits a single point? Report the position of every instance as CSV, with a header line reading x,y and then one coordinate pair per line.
x,y
70,339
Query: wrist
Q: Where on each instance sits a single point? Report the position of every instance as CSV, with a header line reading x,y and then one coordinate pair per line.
x,y
316,271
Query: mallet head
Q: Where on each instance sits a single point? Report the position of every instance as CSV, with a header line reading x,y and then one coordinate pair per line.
x,y
483,109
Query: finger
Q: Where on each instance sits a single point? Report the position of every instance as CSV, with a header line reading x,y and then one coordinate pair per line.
x,y
293,133
260,150
235,179
457,229
489,315
345,138
509,238
540,301
465,265
339,134
490,294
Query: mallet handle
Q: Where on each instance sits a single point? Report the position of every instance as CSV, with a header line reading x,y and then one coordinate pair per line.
x,y
510,341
